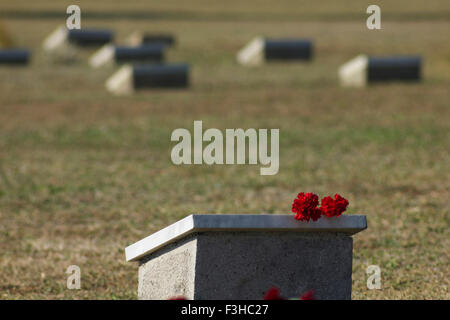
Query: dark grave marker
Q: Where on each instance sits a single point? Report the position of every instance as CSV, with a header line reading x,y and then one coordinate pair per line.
x,y
14,56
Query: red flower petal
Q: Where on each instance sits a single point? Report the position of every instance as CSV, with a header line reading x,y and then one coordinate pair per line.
x,y
305,207
309,295
273,294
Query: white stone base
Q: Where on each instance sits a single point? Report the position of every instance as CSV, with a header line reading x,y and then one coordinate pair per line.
x,y
252,54
121,82
103,56
354,72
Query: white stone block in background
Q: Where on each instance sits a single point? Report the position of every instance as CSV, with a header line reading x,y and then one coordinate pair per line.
x,y
253,53
56,39
121,82
103,56
354,72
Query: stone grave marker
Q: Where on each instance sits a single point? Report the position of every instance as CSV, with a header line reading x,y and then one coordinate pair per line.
x,y
14,56
79,37
146,76
262,50
110,54
233,256
138,38
363,70
63,43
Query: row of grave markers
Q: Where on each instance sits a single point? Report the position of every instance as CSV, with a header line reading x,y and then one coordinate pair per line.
x,y
145,67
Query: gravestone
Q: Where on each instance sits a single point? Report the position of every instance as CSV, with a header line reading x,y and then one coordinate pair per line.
x,y
363,70
63,43
110,54
138,38
78,37
14,56
262,50
146,76
217,256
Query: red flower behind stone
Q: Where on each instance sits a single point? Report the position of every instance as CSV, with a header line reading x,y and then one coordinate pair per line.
x,y
305,207
328,206
273,294
333,207
341,204
316,214
309,295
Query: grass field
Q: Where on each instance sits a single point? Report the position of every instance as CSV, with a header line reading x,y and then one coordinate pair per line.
x,y
83,174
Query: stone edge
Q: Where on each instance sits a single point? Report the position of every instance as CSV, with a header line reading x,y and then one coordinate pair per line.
x,y
347,224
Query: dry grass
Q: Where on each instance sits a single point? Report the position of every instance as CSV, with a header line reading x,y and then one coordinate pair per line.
x,y
83,174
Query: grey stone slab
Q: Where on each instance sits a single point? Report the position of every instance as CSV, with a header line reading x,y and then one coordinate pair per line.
x,y
218,256
14,56
169,272
244,265
345,224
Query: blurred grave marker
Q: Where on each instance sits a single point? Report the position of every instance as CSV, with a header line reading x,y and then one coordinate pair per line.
x,y
111,54
363,70
261,50
136,77
63,43
14,56
138,38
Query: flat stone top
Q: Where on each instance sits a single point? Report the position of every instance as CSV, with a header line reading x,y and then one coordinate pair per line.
x,y
347,224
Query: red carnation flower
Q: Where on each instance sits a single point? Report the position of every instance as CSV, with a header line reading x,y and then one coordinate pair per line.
x,y
340,204
316,214
305,207
333,207
273,294
328,206
309,295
